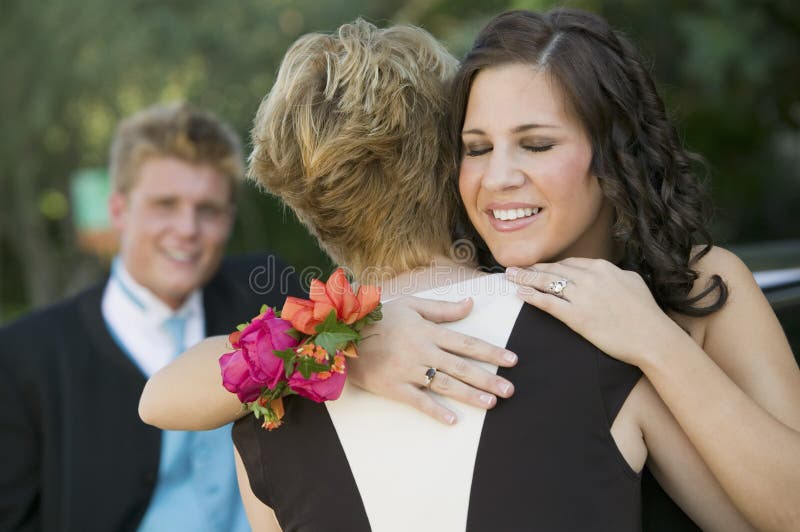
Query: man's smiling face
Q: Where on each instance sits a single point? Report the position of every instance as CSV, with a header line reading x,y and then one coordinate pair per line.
x,y
173,223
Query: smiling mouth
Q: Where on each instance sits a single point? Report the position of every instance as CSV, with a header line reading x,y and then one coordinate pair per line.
x,y
181,256
514,214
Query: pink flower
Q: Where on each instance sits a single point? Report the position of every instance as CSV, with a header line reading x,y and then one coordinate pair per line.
x,y
253,366
236,377
317,387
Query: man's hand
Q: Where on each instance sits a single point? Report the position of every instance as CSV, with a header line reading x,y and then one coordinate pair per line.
x,y
397,351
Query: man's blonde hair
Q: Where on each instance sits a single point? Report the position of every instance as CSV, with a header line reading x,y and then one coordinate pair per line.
x,y
175,130
352,138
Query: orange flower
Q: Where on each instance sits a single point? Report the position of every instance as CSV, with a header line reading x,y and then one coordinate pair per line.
x,y
300,313
316,352
271,423
233,339
306,350
337,295
338,364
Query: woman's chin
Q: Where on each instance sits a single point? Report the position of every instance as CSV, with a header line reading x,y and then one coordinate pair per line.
x,y
515,258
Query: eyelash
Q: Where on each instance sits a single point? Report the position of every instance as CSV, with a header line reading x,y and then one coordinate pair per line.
x,y
534,149
476,153
539,149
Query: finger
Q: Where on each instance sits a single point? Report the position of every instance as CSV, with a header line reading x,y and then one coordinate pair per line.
x,y
553,305
541,275
474,348
444,384
591,264
523,276
581,263
550,285
560,270
473,375
423,402
441,311
545,280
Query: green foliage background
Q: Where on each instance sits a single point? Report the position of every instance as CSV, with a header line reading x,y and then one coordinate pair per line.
x,y
729,71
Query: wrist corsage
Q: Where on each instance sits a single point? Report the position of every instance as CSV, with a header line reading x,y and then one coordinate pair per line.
x,y
299,350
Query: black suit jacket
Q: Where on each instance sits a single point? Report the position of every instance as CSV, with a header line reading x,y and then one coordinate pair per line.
x,y
74,455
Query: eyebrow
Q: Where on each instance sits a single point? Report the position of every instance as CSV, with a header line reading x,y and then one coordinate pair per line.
x,y
518,129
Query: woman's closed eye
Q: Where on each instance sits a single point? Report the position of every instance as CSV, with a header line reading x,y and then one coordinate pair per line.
x,y
475,151
539,149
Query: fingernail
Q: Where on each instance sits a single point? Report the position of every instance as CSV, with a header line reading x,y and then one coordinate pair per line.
x,y
487,399
510,357
449,419
511,271
506,388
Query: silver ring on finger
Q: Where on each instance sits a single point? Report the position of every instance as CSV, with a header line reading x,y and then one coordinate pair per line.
x,y
429,375
557,287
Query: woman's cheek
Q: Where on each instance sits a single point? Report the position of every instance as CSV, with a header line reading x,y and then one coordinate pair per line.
x,y
467,186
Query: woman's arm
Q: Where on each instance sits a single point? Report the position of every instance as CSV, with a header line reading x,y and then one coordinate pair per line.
x,y
261,516
187,394
737,397
677,465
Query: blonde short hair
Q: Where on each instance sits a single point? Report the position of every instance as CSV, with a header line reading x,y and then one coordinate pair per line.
x,y
352,138
176,130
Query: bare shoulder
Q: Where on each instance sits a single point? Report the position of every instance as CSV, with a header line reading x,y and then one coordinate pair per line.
x,y
745,338
743,293
721,261
733,272
724,263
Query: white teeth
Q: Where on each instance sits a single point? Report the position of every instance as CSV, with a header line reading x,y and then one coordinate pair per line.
x,y
513,214
178,255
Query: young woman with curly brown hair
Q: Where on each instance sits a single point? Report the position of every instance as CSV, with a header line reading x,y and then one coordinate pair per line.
x,y
573,177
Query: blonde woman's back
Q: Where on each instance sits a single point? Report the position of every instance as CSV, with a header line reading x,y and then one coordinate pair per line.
x,y
366,463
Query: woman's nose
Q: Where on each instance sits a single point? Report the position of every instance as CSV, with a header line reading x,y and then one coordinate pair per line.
x,y
502,172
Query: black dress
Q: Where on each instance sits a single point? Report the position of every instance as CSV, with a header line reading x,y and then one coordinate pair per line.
x,y
542,460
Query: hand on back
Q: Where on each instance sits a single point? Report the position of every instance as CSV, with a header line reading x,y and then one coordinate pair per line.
x,y
397,352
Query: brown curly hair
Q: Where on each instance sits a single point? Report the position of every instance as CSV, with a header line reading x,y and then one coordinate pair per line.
x,y
661,207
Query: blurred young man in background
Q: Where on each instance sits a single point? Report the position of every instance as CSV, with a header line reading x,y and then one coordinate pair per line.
x,y
73,453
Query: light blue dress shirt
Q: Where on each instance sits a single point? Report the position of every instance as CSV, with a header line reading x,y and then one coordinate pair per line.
x,y
196,488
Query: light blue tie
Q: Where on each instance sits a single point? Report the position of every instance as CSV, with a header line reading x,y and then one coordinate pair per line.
x,y
169,502
196,487
176,329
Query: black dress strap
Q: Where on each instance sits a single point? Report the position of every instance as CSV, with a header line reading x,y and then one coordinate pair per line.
x,y
616,380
